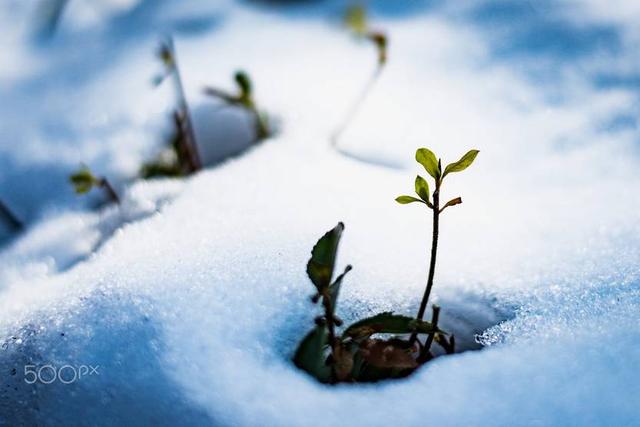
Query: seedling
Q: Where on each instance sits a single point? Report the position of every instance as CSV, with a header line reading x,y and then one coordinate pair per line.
x,y
355,20
10,218
244,98
433,167
187,159
83,181
172,161
354,355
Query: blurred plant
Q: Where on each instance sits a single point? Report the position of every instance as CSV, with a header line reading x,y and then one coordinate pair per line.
x,y
182,157
355,20
48,16
244,98
353,356
83,181
433,167
10,218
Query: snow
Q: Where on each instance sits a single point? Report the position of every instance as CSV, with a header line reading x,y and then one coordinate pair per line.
x,y
192,295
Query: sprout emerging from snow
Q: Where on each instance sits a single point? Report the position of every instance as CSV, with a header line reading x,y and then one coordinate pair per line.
x,y
433,166
355,355
355,19
186,159
244,98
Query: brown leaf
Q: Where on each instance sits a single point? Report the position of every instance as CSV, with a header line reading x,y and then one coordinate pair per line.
x,y
387,354
343,363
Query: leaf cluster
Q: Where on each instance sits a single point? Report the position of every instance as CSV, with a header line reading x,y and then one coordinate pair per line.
x,y
433,166
370,349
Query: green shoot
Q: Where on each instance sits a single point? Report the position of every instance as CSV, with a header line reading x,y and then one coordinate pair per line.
x,y
10,218
84,181
185,143
244,98
310,355
355,20
433,167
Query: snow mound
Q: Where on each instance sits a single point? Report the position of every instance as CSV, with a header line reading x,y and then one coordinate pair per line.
x,y
191,297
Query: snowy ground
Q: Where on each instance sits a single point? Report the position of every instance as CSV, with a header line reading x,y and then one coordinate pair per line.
x,y
192,296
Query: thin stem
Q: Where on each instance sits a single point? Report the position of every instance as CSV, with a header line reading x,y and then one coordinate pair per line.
x,y
111,193
190,147
434,251
262,125
329,317
355,107
424,352
13,220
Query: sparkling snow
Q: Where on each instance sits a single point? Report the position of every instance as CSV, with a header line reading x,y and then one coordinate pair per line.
x,y
192,296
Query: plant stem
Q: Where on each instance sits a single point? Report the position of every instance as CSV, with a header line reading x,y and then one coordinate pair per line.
x,y
262,125
13,220
434,251
111,193
328,314
424,353
186,124
355,107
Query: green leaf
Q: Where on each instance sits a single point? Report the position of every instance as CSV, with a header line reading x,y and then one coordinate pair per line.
x,y
323,257
310,355
403,200
334,289
83,180
422,188
244,83
388,323
464,162
426,158
165,53
355,18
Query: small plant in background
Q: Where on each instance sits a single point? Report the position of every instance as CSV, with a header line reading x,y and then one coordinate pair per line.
x,y
9,217
182,158
355,20
433,166
84,181
244,98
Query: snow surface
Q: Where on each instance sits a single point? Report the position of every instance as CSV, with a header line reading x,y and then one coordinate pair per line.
x,y
192,296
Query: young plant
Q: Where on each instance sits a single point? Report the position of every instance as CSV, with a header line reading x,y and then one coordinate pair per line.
x,y
355,355
83,181
311,355
10,218
244,98
185,158
355,20
433,166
